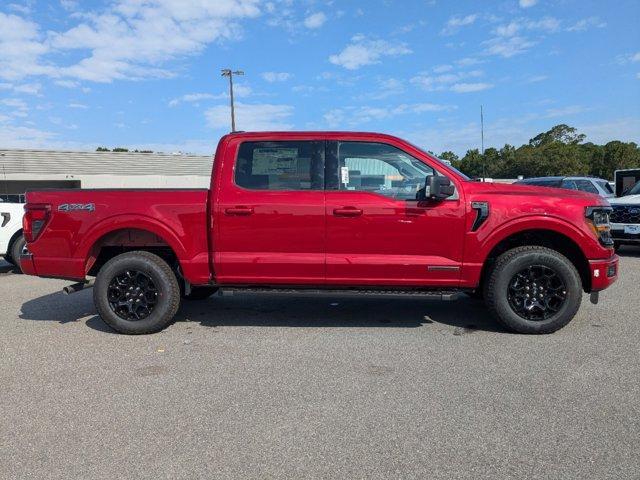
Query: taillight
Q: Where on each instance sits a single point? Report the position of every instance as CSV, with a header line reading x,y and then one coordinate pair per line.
x,y
34,219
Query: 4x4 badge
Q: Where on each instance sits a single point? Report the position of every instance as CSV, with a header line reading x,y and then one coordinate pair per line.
x,y
69,207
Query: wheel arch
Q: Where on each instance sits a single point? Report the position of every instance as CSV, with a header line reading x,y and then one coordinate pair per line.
x,y
126,233
560,240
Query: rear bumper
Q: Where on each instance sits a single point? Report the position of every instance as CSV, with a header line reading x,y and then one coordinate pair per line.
x,y
603,272
26,264
67,269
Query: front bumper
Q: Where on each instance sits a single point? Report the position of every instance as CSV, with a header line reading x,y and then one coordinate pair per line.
x,y
619,235
603,272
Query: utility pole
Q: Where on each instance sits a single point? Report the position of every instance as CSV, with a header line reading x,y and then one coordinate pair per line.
x,y
227,72
484,161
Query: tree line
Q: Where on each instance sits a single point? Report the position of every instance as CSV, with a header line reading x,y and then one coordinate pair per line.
x,y
559,151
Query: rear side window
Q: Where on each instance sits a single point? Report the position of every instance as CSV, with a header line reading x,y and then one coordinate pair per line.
x,y
605,186
280,165
586,186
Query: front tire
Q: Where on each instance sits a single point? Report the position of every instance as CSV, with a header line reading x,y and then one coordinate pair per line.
x,y
533,289
136,293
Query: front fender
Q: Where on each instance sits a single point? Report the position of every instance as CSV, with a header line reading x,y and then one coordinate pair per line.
x,y
536,222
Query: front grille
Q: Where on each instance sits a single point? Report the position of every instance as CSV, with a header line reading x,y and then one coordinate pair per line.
x,y
625,214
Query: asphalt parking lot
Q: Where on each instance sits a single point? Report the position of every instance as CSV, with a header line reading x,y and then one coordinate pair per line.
x,y
316,387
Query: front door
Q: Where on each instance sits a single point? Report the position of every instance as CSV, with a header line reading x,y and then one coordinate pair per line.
x,y
377,232
270,214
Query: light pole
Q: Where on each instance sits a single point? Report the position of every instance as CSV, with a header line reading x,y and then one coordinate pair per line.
x,y
227,72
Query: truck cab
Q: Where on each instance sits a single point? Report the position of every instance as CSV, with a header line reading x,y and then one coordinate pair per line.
x,y
326,211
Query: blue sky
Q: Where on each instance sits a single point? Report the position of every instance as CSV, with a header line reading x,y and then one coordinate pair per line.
x,y
146,73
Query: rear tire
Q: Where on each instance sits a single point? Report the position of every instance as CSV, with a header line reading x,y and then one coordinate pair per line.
x,y
200,293
136,293
18,247
533,289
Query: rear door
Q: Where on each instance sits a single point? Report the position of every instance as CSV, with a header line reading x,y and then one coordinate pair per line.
x,y
270,213
378,233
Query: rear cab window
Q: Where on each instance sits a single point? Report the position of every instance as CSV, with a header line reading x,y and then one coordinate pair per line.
x,y
282,165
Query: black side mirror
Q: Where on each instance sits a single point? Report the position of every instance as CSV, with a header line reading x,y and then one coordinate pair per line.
x,y
439,188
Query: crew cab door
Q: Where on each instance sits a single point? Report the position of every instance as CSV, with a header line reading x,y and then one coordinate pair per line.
x,y
269,219
377,232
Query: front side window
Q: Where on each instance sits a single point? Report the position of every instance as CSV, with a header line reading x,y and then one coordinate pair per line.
x,y
280,165
380,168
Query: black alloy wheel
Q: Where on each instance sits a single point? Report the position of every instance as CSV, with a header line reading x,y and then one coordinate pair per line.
x,y
536,293
132,295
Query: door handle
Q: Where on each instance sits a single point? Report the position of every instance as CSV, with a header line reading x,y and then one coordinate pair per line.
x,y
243,211
347,212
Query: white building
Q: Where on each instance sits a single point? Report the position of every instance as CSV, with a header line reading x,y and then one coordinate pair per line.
x,y
21,170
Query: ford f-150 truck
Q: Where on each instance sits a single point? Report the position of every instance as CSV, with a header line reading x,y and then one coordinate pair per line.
x,y
325,211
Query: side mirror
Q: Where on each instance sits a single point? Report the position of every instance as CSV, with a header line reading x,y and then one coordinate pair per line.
x,y
439,188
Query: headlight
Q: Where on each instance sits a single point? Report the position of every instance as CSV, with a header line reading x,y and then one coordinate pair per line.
x,y
598,220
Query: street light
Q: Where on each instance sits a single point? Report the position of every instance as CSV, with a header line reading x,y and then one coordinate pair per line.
x,y
227,72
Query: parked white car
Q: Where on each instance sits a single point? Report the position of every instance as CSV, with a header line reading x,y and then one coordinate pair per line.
x,y
12,242
625,218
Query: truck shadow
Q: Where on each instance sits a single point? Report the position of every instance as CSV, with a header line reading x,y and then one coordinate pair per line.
x,y
285,311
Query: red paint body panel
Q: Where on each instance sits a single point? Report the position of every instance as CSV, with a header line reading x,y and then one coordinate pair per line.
x,y
234,236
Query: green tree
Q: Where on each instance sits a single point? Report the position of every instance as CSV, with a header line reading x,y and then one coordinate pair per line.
x,y
102,149
449,156
120,149
560,133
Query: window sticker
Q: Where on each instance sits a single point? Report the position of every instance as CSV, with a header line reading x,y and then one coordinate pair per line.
x,y
274,161
344,174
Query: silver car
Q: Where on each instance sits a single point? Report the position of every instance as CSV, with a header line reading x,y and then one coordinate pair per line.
x,y
598,186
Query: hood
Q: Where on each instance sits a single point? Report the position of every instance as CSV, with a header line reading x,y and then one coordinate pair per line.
x,y
529,190
627,200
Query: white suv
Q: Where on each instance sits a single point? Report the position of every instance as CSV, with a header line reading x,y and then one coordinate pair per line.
x,y
12,243
625,218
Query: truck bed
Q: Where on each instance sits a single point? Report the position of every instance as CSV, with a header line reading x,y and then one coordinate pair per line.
x,y
81,222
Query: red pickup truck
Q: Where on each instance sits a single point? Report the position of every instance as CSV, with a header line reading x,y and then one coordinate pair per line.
x,y
325,211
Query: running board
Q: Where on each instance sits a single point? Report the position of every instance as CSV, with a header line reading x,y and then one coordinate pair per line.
x,y
433,294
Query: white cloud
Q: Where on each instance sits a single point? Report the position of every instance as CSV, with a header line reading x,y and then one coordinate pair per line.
x,y
446,81
362,51
628,58
239,91
536,78
507,47
527,3
21,46
442,68
586,23
354,116
131,39
470,87
81,106
251,117
457,21
276,76
315,20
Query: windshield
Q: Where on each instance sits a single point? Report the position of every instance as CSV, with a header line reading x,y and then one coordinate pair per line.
x,y
635,190
448,164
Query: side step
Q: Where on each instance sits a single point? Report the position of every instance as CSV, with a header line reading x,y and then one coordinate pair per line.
x,y
431,294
